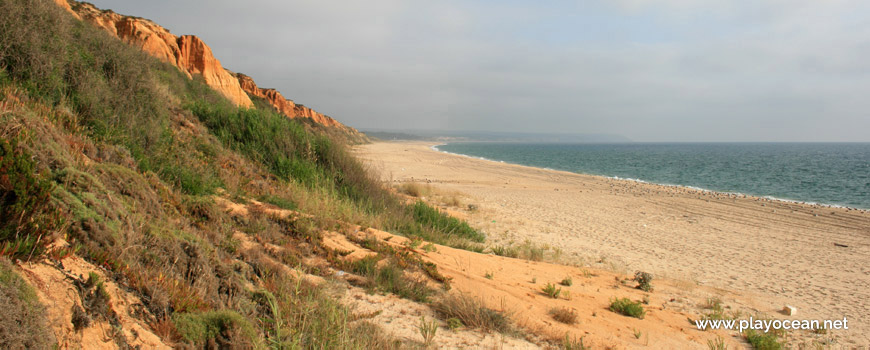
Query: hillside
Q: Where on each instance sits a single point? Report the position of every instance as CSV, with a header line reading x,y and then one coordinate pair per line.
x,y
193,57
150,199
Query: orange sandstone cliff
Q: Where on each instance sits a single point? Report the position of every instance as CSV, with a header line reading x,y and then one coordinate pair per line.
x,y
286,106
186,52
192,56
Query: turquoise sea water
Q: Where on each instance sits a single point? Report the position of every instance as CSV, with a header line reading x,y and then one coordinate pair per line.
x,y
826,173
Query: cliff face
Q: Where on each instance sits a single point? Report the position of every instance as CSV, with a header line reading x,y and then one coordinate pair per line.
x,y
187,52
288,107
192,56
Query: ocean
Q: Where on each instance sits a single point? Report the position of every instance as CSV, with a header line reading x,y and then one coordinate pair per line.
x,y
835,174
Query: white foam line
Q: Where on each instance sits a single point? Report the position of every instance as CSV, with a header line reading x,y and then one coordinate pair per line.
x,y
770,198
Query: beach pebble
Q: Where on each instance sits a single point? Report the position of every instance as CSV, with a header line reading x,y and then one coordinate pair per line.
x,y
789,310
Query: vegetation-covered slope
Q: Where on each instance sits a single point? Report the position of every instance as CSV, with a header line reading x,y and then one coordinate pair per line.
x,y
118,158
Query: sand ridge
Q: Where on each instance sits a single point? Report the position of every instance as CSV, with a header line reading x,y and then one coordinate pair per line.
x,y
810,256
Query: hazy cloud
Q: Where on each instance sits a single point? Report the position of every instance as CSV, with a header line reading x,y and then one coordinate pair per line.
x,y
677,70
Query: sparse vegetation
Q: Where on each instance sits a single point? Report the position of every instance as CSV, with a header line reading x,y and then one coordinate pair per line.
x,y
22,325
567,281
430,248
643,280
488,275
122,154
507,251
526,250
447,225
391,279
564,315
223,327
454,323
28,218
573,343
551,291
762,340
627,307
415,189
472,313
717,311
427,330
718,344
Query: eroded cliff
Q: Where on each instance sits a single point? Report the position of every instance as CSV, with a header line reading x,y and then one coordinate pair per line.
x,y
192,56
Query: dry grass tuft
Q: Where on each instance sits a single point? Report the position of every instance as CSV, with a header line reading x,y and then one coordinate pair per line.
x,y
564,315
414,189
472,313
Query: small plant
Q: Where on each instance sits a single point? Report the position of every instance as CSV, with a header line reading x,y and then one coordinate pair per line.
x,y
506,251
573,343
627,307
762,340
534,280
414,189
430,248
80,319
564,315
471,313
552,291
637,333
646,299
427,330
488,275
567,281
718,344
717,311
454,323
61,253
643,280
820,330
414,242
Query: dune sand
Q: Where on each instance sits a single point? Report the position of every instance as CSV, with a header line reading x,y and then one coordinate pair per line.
x,y
772,253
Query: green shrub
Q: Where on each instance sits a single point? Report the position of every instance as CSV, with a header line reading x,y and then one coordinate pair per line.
x,y
428,216
293,153
762,340
224,327
643,280
28,218
627,307
573,343
551,291
309,317
391,279
280,202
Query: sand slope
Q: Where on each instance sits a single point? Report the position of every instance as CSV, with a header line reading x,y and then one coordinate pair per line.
x,y
774,253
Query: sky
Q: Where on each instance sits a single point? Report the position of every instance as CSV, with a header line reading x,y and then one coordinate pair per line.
x,y
657,71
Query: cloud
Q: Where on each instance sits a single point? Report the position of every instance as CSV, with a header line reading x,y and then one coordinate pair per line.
x,y
656,71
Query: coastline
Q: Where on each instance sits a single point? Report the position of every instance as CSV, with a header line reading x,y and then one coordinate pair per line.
x,y
435,146
771,252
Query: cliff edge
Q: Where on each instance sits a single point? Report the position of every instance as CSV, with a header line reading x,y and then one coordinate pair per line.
x,y
192,56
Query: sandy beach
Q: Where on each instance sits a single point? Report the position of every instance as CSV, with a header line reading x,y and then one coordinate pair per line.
x,y
771,253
